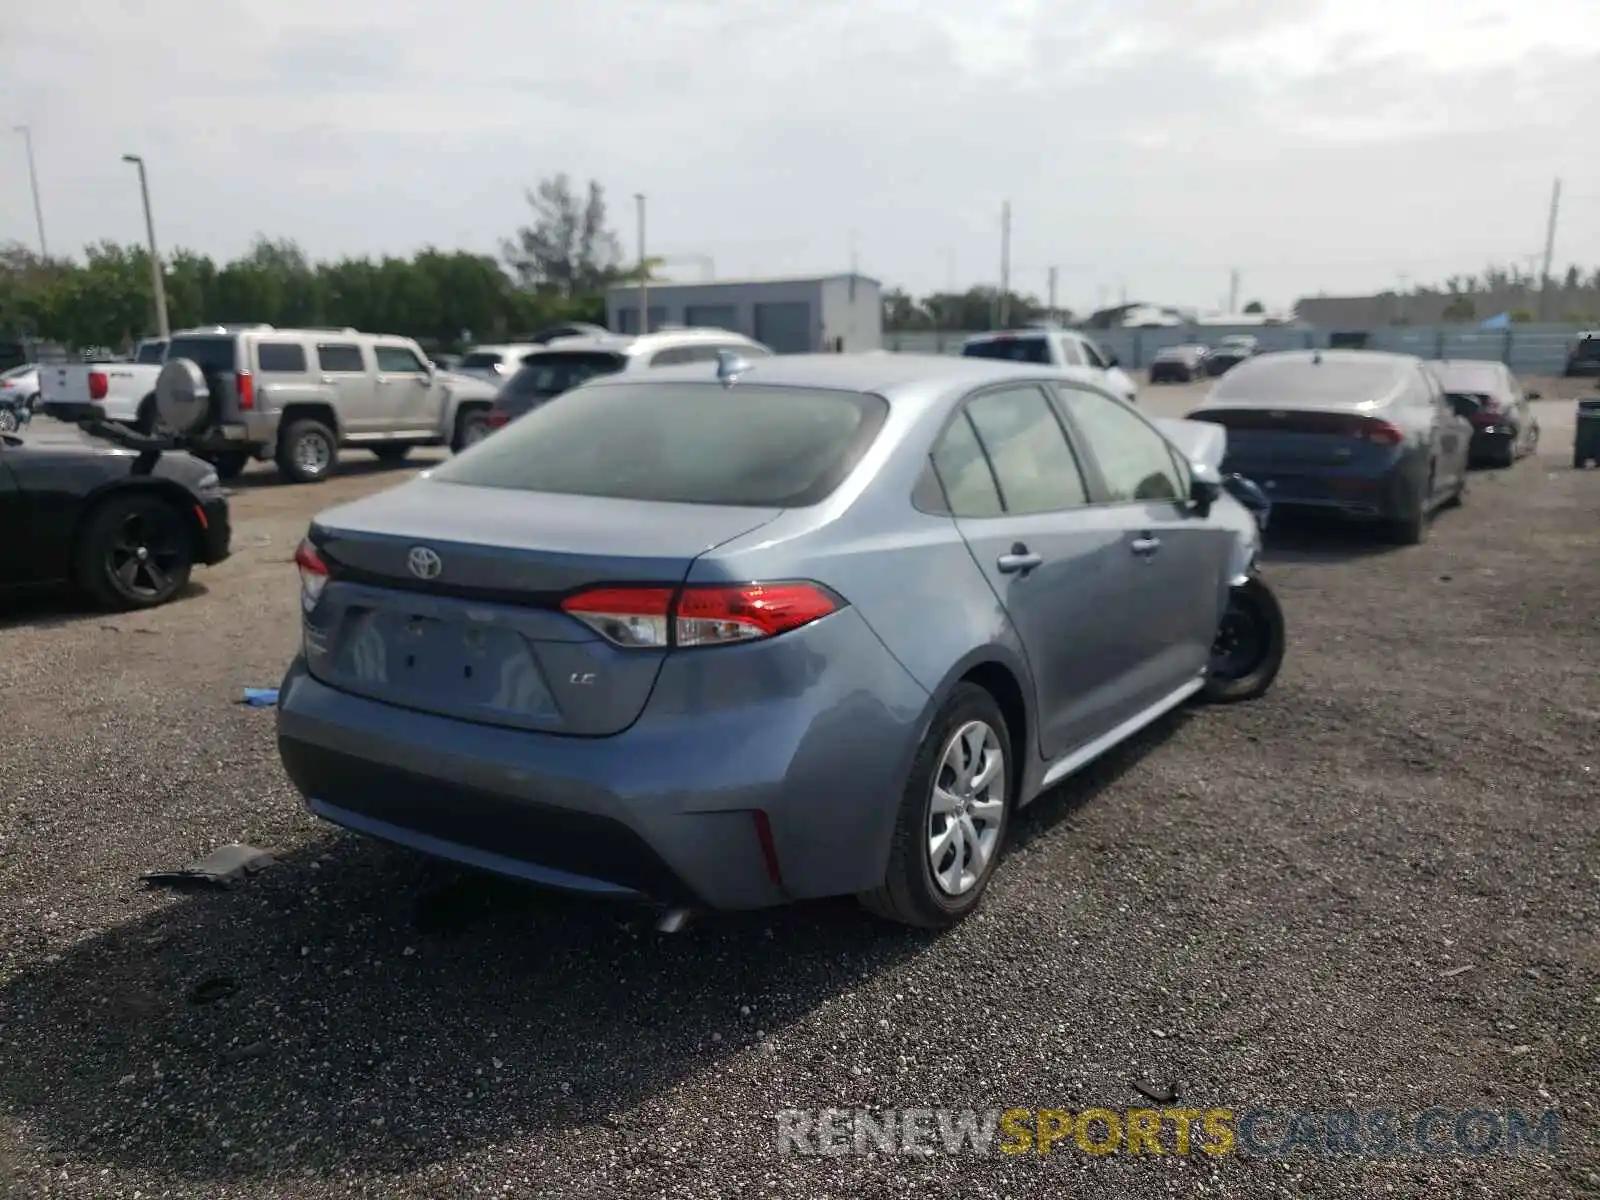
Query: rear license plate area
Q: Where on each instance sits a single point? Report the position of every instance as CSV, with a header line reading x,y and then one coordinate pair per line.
x,y
442,665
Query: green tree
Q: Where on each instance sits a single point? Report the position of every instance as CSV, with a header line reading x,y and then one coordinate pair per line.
x,y
567,250
1255,306
1460,308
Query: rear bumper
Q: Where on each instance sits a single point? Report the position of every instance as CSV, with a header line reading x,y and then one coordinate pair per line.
x,y
1388,496
817,736
254,433
1490,442
1171,373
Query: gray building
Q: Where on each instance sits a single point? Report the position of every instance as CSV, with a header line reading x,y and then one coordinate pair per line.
x,y
841,313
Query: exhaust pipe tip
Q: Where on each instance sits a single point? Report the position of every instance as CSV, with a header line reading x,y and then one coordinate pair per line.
x,y
675,920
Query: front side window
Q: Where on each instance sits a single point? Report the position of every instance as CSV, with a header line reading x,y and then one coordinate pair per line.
x,y
1071,355
1136,463
1035,467
1094,354
681,443
399,360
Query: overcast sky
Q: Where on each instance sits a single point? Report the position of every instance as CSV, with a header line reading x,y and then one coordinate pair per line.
x,y
1145,144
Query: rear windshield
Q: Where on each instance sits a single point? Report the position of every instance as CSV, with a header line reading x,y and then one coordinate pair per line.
x,y
1297,380
1022,349
1470,378
685,443
208,353
1587,348
481,359
560,371
1183,351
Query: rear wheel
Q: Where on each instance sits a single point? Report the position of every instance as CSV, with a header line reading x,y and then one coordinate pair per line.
x,y
307,451
952,819
134,552
1248,650
472,426
230,464
9,422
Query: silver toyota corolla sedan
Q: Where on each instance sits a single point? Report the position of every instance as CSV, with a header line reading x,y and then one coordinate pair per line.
x,y
729,635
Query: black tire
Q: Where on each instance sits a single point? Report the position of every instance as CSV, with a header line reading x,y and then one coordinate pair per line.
x,y
1412,529
108,563
472,424
1457,496
307,451
1248,652
148,420
393,452
10,422
1508,456
909,893
230,464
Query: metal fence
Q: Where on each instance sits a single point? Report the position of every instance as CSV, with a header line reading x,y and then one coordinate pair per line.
x,y
1527,349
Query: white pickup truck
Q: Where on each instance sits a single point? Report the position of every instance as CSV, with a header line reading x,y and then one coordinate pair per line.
x,y
111,391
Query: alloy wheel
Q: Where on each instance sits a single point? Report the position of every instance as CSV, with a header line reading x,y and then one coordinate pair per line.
x,y
967,808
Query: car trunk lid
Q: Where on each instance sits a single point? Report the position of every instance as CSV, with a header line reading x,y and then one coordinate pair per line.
x,y
444,598
1263,439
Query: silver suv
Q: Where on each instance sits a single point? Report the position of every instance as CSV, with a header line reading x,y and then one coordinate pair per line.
x,y
234,393
563,365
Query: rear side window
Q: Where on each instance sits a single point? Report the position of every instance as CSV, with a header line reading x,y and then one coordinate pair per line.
x,y
340,358
963,471
1034,465
1020,349
684,443
674,356
207,353
556,371
287,357
1292,381
481,360
149,352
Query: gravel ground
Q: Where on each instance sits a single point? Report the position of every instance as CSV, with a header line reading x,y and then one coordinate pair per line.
x,y
1378,887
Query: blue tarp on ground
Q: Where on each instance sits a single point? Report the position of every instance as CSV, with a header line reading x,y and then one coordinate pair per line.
x,y
1499,321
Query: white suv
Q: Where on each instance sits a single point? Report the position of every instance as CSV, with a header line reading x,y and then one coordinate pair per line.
x,y
1064,348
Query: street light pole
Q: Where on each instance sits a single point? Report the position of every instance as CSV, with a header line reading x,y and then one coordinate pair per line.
x,y
644,272
156,280
33,180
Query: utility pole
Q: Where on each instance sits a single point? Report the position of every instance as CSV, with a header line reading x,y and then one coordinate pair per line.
x,y
157,283
1052,295
33,181
644,271
855,258
1549,248
1003,316
1233,291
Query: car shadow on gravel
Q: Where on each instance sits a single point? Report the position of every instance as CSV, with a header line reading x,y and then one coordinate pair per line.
x,y
266,476
356,1007
59,607
1312,538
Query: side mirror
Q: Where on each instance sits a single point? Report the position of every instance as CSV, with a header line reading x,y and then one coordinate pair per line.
x,y
1205,488
1113,361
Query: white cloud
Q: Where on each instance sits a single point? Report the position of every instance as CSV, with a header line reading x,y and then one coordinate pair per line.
x,y
1147,140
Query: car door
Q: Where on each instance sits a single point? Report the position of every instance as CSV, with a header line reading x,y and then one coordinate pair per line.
x,y
1140,487
17,564
404,390
344,370
1117,381
1020,501
1452,433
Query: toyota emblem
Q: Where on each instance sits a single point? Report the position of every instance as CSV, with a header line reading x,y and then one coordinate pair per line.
x,y
424,563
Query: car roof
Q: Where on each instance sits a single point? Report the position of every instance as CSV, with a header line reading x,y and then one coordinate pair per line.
x,y
900,378
631,344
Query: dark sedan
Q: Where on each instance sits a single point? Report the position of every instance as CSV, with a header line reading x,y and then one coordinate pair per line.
x,y
544,375
1488,395
1178,364
1354,432
125,526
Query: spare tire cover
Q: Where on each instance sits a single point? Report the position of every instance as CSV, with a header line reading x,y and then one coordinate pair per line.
x,y
183,397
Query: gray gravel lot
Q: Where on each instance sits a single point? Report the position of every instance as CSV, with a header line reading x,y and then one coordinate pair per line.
x,y
1268,903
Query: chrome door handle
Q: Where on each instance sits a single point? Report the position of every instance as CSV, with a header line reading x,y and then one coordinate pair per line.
x,y
327,379
1018,561
1145,546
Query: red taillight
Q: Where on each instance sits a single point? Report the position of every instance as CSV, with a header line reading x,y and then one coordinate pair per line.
x,y
1380,433
1481,420
313,574
497,418
99,385
247,390
699,615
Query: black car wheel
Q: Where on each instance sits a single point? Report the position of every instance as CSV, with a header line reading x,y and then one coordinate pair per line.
x,y
230,464
135,552
472,426
1412,528
1249,646
307,452
953,815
